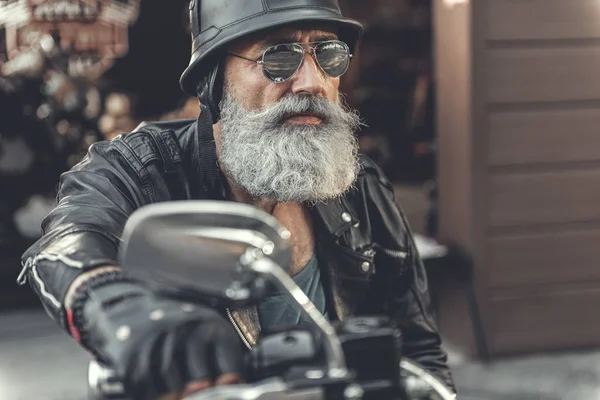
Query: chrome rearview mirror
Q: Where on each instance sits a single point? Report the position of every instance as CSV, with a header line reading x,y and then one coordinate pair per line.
x,y
199,246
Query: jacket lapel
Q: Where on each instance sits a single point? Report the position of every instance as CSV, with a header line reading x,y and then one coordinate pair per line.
x,y
247,321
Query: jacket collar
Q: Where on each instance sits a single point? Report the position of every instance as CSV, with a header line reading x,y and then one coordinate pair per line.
x,y
335,216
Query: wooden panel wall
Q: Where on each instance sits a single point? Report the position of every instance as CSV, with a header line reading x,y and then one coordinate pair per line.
x,y
535,151
549,74
542,19
546,196
545,321
562,134
525,259
543,110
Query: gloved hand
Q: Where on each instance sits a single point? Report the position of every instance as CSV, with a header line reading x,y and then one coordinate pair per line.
x,y
156,345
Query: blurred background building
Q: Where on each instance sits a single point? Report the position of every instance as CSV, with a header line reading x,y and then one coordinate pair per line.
x,y
482,112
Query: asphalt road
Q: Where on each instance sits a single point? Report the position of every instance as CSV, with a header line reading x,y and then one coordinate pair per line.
x,y
38,361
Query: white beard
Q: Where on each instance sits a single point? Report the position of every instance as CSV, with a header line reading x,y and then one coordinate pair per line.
x,y
285,162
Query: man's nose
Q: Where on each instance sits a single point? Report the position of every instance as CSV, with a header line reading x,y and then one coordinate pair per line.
x,y
309,79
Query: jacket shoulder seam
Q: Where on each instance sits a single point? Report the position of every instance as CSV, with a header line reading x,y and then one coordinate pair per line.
x,y
137,164
163,141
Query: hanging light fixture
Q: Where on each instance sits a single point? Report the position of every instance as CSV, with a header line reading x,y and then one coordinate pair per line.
x,y
93,32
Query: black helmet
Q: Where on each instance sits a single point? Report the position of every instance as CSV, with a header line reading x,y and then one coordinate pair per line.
x,y
216,23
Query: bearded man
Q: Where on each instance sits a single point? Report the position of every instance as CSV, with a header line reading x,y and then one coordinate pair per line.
x,y
273,132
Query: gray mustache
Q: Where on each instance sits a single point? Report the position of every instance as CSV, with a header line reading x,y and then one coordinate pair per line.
x,y
305,104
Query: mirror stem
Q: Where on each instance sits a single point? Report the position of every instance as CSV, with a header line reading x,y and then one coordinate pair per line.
x,y
333,347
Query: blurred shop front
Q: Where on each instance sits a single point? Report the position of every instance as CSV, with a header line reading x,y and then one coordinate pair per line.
x,y
73,73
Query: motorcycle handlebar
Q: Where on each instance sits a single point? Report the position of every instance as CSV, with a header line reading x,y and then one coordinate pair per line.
x,y
275,388
270,389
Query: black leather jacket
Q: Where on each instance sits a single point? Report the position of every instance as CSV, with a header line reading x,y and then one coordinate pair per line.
x,y
364,244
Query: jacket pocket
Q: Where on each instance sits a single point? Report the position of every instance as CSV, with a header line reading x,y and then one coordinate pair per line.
x,y
350,273
357,265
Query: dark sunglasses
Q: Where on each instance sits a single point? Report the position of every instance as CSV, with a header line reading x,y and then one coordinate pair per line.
x,y
282,61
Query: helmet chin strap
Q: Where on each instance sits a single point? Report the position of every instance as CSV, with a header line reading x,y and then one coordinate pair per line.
x,y
210,91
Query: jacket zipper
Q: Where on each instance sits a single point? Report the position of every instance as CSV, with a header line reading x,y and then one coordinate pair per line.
x,y
237,328
392,253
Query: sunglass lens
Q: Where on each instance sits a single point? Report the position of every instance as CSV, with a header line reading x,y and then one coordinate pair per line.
x,y
333,57
282,61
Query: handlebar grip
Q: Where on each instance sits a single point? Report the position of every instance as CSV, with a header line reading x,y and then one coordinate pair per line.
x,y
273,356
279,351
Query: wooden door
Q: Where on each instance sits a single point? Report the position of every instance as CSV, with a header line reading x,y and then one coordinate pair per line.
x,y
519,143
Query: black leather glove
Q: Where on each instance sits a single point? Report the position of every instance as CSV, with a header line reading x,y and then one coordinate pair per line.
x,y
155,344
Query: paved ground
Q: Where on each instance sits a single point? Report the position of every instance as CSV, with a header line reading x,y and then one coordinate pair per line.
x,y
38,362
574,376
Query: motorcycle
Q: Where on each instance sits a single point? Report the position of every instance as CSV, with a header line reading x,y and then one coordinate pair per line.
x,y
244,251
